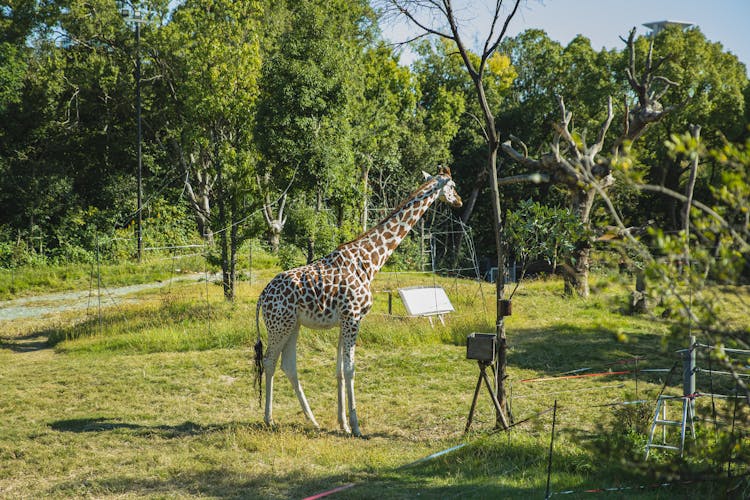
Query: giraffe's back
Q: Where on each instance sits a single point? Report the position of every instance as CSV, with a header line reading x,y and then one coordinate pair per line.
x,y
316,295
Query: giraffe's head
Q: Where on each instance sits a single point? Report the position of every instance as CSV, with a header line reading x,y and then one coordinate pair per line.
x,y
447,187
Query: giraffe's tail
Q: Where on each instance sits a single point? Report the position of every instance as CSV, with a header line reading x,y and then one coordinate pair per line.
x,y
258,354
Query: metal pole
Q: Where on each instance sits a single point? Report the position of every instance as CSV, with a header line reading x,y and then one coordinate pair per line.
x,y
551,445
688,372
139,231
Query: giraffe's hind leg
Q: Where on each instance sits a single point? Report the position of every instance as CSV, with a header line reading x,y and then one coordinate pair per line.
x,y
349,332
289,366
278,337
269,366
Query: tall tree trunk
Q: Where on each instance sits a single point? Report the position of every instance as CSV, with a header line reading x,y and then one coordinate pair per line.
x,y
311,238
471,202
639,304
501,362
227,230
231,275
577,269
365,199
274,239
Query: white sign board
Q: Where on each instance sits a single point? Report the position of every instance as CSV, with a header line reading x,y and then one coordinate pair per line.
x,y
425,300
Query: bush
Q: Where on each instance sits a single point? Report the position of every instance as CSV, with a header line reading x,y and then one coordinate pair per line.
x,y
290,256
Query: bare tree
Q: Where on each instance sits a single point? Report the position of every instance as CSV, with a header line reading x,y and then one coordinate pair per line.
x,y
573,163
199,185
439,18
275,222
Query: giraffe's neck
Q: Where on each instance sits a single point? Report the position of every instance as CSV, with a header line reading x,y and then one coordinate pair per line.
x,y
378,243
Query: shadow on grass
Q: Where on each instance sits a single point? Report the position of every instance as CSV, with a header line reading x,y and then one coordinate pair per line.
x,y
495,467
32,342
215,482
102,424
568,347
187,429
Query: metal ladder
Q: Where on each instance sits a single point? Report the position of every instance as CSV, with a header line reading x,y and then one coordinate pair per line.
x,y
427,257
686,421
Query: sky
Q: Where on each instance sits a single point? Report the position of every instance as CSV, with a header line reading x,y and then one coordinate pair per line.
x,y
604,21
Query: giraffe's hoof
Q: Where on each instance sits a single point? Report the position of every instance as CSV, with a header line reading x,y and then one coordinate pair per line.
x,y
357,434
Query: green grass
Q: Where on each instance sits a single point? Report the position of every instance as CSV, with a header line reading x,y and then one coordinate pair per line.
x,y
35,280
156,266
156,400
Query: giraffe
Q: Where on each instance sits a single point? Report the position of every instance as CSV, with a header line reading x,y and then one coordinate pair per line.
x,y
335,290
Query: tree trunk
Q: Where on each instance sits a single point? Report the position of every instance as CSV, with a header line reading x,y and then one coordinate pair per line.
x,y
311,238
274,239
576,273
227,230
502,342
639,304
365,200
231,277
472,199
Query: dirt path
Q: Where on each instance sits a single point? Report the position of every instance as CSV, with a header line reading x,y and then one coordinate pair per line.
x,y
42,305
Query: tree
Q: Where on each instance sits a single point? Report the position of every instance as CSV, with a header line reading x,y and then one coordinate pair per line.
x,y
709,91
303,124
539,232
381,121
210,62
68,126
576,164
440,19
441,74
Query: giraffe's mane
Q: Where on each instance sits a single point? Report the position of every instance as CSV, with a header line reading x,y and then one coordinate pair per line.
x,y
410,198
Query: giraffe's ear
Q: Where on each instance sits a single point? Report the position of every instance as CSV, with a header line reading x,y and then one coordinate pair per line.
x,y
426,175
443,170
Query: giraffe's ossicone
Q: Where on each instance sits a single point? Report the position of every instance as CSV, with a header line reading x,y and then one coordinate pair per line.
x,y
335,290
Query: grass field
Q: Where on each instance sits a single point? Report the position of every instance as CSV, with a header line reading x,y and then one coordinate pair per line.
x,y
155,399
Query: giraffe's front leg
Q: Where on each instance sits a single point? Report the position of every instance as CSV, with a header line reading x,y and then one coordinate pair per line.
x,y
341,392
349,332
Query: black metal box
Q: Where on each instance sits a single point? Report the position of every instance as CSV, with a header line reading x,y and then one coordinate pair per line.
x,y
481,346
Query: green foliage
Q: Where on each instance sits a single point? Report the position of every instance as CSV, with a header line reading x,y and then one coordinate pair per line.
x,y
308,224
534,232
545,68
12,71
709,93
